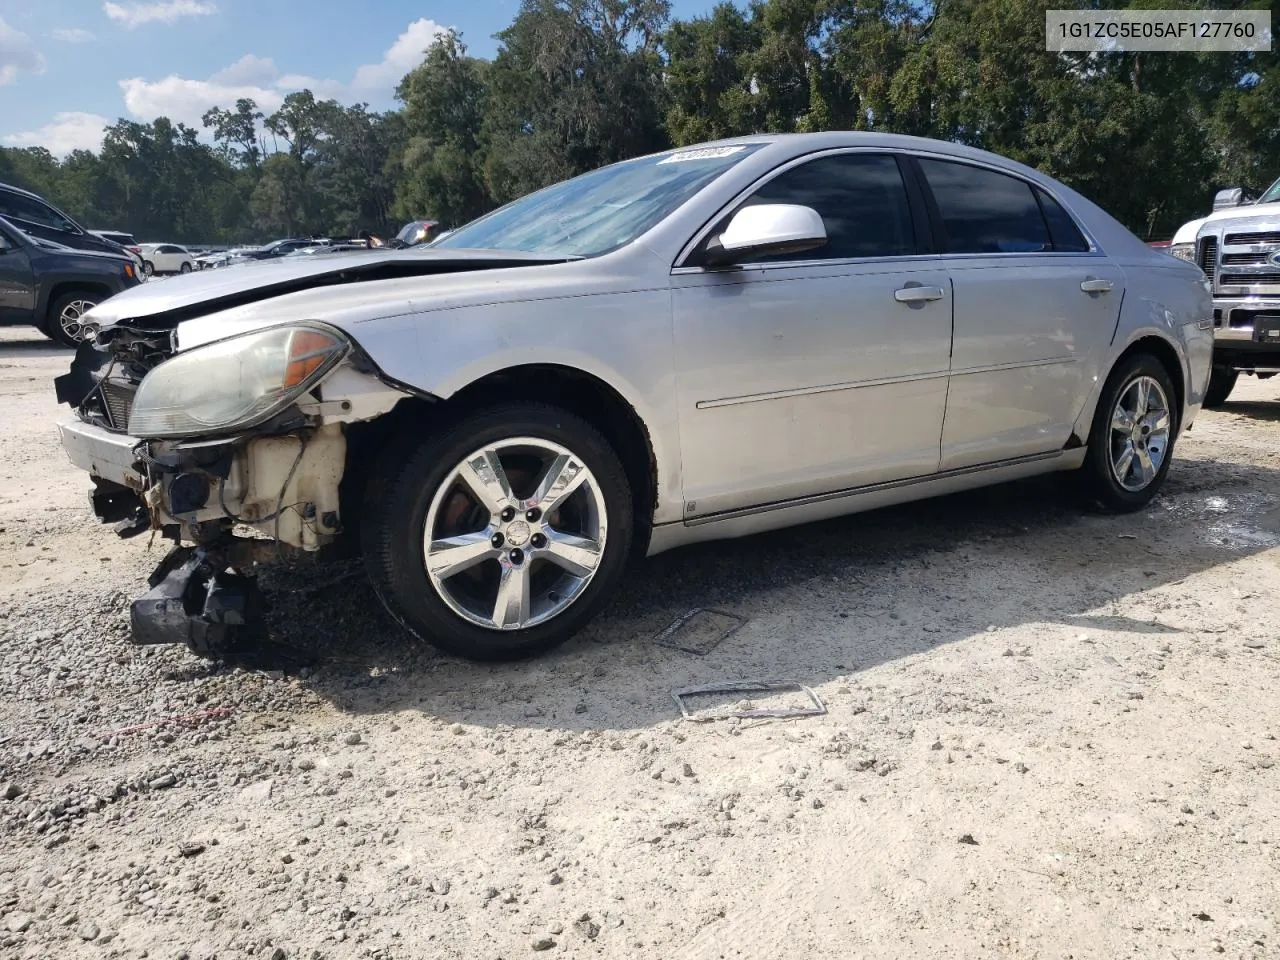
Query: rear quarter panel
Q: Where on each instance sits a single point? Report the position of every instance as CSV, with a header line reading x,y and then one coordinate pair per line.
x,y
1170,301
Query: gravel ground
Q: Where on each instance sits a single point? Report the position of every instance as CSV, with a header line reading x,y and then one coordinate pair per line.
x,y
1050,734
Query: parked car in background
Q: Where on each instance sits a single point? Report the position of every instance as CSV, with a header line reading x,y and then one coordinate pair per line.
x,y
694,345
415,232
166,258
36,217
51,287
125,240
1238,248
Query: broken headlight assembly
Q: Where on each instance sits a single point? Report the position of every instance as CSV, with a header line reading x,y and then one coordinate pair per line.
x,y
235,383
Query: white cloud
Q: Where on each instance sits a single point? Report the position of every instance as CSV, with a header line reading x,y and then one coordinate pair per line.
x,y
259,79
67,132
409,50
136,14
18,54
73,35
248,71
185,100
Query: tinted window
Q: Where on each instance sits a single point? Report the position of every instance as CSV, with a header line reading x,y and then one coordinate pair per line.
x,y
33,211
1067,237
984,211
861,199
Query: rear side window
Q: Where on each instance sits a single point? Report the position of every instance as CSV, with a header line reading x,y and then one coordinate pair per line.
x,y
861,199
18,207
984,211
1066,236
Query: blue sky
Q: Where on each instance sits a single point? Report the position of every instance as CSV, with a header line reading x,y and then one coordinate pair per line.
x,y
69,66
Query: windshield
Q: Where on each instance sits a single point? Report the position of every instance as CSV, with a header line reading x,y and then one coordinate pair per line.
x,y
1272,193
602,210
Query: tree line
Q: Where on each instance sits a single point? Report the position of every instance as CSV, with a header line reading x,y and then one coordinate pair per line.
x,y
580,83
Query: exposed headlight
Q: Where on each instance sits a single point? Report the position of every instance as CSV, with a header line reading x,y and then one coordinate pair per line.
x,y
234,383
1184,251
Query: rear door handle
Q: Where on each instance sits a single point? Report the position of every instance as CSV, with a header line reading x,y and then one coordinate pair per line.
x,y
918,294
1096,286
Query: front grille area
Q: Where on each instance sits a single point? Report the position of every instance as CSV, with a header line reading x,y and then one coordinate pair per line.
x,y
1245,259
1270,236
1207,255
117,401
1247,279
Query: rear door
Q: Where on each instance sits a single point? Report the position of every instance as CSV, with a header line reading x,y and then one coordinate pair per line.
x,y
819,371
1035,311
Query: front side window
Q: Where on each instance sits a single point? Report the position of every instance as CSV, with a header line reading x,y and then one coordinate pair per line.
x,y
984,211
862,201
601,210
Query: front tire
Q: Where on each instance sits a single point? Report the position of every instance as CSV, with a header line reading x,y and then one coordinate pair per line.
x,y
148,268
186,268
1221,382
1131,441
500,537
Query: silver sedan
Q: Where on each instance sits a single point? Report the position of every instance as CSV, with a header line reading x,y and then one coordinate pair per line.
x,y
700,344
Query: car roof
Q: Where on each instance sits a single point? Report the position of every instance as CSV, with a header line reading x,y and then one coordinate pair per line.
x,y
25,193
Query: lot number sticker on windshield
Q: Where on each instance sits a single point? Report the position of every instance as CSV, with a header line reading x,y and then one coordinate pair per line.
x,y
706,153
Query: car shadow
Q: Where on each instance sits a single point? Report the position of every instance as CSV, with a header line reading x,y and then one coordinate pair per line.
x,y
819,602
37,346
1253,409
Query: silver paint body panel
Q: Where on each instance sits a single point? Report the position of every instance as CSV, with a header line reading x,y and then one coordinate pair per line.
x,y
787,392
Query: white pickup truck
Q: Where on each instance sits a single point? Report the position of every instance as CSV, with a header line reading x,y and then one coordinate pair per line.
x,y
1238,248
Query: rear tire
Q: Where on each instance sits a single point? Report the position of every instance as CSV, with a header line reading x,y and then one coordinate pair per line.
x,y
1131,440
62,322
1221,382
186,268
546,575
148,268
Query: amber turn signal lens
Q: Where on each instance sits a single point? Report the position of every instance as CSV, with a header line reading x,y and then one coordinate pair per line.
x,y
128,270
308,351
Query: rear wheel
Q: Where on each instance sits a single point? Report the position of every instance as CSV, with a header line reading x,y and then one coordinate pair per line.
x,y
1131,443
64,322
502,536
186,268
148,268
1221,382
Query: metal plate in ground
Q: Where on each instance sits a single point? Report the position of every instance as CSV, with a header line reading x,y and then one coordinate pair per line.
x,y
731,706
699,631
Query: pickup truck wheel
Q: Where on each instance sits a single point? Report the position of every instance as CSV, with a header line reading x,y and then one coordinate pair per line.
x,y
1131,443
1221,382
500,537
65,320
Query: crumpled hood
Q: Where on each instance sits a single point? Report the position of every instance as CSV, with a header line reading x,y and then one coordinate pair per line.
x,y
163,304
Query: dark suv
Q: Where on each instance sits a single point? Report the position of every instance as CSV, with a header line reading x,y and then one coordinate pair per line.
x,y
51,287
37,218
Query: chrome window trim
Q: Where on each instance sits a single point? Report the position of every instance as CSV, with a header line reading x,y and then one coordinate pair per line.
x,y
680,267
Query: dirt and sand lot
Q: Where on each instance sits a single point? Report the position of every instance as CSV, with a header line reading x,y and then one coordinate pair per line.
x,y
1050,734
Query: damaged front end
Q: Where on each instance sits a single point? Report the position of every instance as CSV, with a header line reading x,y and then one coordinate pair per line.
x,y
236,451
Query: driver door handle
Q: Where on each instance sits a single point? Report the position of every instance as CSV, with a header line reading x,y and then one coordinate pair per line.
x,y
1096,286
917,294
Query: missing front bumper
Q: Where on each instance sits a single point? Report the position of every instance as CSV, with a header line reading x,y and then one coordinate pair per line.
x,y
194,600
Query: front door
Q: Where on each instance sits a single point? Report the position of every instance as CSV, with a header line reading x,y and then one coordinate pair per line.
x,y
823,370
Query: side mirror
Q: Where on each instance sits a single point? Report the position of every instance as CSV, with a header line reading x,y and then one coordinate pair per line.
x,y
1230,197
767,228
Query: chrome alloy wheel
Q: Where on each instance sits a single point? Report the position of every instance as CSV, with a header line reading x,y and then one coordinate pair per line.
x,y
71,321
515,533
1140,427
